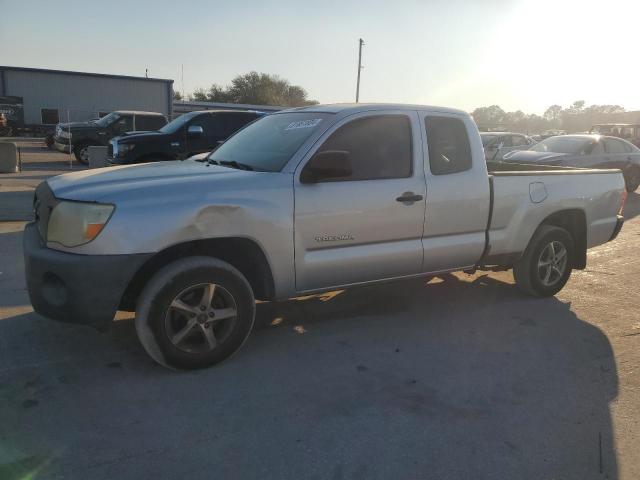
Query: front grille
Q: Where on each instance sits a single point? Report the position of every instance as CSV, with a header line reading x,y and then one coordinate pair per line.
x,y
43,203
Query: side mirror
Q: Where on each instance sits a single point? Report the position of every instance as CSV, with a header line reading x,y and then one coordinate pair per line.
x,y
327,165
195,131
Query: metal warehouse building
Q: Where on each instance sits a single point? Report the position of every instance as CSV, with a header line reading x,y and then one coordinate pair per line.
x,y
51,96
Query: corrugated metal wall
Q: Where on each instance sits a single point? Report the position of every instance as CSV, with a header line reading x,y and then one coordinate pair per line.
x,y
82,97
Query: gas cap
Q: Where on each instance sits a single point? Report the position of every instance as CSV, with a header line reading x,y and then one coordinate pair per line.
x,y
537,192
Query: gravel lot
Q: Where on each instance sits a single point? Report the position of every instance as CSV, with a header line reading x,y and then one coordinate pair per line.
x,y
461,378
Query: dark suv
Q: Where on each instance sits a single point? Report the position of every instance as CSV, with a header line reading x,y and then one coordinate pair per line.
x,y
187,135
77,137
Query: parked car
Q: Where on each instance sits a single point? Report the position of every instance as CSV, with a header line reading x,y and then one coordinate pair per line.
x,y
187,135
627,131
77,137
587,151
302,201
496,144
552,133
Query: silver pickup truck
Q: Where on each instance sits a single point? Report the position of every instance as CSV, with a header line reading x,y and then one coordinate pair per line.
x,y
304,200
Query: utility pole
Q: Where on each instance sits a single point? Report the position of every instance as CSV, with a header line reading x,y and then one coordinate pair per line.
x,y
360,67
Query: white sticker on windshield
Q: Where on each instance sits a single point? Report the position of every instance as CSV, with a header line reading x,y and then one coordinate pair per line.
x,y
303,124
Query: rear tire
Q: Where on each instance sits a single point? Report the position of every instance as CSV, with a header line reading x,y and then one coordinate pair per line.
x,y
194,313
545,266
632,180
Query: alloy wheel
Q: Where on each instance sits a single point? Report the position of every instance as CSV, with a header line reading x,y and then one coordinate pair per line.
x,y
200,318
552,263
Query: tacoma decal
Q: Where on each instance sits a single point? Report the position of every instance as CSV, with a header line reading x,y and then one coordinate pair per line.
x,y
334,238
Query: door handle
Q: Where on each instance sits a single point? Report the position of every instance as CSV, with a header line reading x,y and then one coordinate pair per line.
x,y
409,197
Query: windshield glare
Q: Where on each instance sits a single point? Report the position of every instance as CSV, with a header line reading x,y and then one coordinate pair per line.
x,y
564,144
107,119
269,143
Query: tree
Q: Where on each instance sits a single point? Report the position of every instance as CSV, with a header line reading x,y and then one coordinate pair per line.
x,y
489,117
552,114
577,118
177,95
258,89
577,106
199,95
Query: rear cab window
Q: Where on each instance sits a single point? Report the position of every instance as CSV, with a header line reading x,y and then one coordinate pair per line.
x,y
448,145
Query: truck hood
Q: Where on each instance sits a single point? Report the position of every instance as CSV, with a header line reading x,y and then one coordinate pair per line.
x,y
134,137
78,126
530,156
157,180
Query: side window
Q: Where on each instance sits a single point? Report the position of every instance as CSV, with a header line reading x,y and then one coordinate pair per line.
x,y
598,148
507,141
614,146
149,123
378,147
519,140
449,149
233,122
123,124
628,147
209,123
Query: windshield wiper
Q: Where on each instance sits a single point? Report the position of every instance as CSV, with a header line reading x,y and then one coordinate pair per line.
x,y
234,164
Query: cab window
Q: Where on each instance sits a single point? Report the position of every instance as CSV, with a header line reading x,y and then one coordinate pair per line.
x,y
449,148
378,147
149,123
124,123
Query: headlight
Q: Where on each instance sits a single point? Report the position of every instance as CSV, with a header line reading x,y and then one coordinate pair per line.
x,y
123,148
63,134
76,223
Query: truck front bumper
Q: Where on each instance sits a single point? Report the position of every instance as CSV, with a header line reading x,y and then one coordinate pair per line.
x,y
67,287
61,146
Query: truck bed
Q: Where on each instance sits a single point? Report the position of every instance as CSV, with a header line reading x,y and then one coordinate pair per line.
x,y
506,168
523,196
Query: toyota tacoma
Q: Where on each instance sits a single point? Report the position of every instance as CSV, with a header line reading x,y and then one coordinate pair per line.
x,y
300,201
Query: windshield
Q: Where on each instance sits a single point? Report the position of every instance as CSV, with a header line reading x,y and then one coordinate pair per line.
x,y
487,139
176,124
269,143
107,120
564,144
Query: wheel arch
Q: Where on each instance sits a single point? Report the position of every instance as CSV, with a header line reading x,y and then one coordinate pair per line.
x,y
574,221
242,253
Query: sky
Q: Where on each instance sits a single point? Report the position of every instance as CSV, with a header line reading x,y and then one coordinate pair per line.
x,y
519,54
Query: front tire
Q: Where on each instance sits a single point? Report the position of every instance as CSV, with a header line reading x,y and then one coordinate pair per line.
x,y
545,266
81,152
194,313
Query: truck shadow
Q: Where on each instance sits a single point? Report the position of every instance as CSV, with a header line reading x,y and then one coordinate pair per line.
x,y
463,377
520,383
632,206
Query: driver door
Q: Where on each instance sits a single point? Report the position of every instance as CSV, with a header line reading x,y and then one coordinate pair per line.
x,y
368,224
